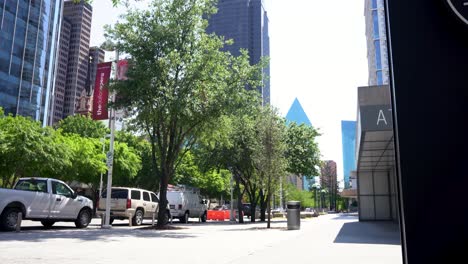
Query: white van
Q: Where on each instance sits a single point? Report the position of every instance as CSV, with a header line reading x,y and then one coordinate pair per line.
x,y
185,202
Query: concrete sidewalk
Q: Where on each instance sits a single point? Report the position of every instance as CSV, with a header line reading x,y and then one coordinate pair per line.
x,y
335,239
328,239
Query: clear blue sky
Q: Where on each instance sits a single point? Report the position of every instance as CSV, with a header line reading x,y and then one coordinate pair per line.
x,y
318,54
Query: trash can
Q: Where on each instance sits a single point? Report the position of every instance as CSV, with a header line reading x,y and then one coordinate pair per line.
x,y
294,215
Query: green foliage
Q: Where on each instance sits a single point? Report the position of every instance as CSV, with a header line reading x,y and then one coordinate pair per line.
x,y
27,150
302,153
146,177
83,126
212,183
86,161
306,198
180,82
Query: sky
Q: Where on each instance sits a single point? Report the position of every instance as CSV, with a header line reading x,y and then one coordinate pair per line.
x,y
317,54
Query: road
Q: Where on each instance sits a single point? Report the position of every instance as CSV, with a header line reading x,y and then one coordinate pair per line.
x,y
327,239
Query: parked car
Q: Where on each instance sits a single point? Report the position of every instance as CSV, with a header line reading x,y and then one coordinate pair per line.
x,y
43,199
133,203
185,202
246,209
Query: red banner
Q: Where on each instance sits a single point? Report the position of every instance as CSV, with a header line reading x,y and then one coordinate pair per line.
x,y
101,93
122,68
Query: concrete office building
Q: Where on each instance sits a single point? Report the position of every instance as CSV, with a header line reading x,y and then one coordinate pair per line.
x,y
96,56
377,52
58,94
29,34
376,172
246,22
348,141
79,15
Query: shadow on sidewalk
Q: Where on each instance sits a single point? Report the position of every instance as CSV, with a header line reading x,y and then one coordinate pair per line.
x,y
369,233
38,234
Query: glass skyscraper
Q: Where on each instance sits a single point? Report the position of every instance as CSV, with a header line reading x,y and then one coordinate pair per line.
x,y
377,52
348,137
245,22
28,44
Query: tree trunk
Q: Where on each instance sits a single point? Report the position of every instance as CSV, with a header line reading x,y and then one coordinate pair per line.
x,y
162,219
240,215
263,205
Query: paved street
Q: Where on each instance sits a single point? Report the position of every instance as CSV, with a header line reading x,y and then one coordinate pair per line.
x,y
326,239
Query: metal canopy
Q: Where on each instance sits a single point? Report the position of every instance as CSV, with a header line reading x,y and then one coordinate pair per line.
x,y
376,151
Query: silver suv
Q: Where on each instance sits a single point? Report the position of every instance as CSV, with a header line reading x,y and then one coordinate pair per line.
x,y
136,204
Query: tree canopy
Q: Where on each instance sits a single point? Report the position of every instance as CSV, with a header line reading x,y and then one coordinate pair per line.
x,y
179,79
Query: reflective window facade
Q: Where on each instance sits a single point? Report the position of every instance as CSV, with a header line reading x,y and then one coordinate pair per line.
x,y
377,54
348,137
28,38
245,22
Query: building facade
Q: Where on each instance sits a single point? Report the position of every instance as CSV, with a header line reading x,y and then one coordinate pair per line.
x,y
375,148
246,23
29,32
58,94
377,51
96,56
348,140
79,15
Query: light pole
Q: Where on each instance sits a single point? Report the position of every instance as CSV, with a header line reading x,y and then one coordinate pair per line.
x,y
110,155
103,142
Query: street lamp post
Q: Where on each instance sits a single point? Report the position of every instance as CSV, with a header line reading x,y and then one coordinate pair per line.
x,y
110,154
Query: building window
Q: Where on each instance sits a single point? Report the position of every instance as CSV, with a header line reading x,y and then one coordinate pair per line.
x,y
375,19
378,60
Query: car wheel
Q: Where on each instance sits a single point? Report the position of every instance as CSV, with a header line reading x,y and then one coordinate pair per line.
x,y
185,218
9,218
111,221
137,218
47,223
203,217
84,218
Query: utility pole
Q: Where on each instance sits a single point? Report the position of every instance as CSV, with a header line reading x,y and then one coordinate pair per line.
x,y
110,154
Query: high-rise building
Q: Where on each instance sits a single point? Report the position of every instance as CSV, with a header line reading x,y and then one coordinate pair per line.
x,y
348,137
245,22
96,56
79,15
377,52
29,32
58,94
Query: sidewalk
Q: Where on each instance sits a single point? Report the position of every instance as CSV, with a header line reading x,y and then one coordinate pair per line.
x,y
335,239
327,239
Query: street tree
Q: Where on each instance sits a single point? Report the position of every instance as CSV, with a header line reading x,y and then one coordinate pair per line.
x,y
28,150
83,125
302,151
179,80
270,160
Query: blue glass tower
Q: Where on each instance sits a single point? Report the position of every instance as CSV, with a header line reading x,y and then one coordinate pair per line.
x,y
246,23
297,114
348,136
28,44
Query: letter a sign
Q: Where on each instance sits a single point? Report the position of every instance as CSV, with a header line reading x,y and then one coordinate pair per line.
x,y
460,8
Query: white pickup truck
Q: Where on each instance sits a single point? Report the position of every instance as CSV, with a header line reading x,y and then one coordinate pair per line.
x,y
43,199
